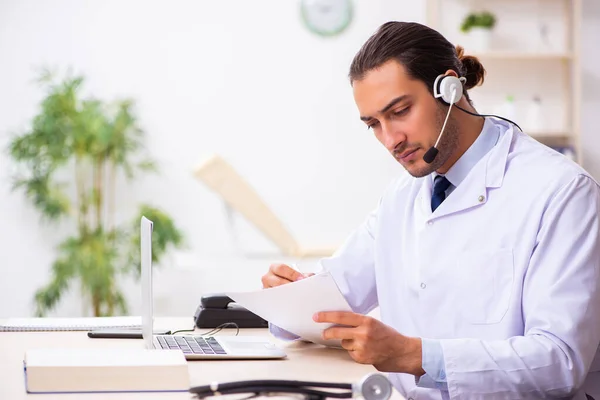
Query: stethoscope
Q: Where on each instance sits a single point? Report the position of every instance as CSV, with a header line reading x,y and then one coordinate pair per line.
x,y
374,386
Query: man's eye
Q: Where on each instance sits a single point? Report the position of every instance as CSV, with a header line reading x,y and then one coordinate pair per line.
x,y
372,125
401,112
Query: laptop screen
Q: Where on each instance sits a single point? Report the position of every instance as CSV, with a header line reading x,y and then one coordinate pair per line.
x,y
146,266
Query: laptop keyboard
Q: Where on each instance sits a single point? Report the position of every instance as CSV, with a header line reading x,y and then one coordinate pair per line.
x,y
191,344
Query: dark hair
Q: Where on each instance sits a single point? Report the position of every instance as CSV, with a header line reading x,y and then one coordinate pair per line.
x,y
423,52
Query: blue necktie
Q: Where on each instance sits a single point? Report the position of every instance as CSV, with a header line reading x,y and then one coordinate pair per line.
x,y
440,185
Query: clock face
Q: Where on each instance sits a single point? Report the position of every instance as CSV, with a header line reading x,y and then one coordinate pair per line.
x,y
326,17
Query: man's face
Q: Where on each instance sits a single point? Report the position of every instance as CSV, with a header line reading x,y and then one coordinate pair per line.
x,y
405,117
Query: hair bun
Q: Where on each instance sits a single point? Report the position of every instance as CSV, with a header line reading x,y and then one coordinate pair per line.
x,y
472,70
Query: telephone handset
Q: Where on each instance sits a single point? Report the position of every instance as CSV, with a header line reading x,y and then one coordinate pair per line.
x,y
217,309
215,301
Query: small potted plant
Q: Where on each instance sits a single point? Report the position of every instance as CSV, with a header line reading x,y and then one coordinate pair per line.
x,y
479,28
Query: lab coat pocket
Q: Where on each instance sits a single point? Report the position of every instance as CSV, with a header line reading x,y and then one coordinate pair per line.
x,y
485,284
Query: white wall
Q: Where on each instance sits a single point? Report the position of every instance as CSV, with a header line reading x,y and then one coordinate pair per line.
x,y
241,78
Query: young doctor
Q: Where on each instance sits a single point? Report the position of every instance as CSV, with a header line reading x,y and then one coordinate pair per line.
x,y
484,259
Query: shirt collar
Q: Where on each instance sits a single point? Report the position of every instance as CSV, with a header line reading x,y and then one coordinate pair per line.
x,y
486,140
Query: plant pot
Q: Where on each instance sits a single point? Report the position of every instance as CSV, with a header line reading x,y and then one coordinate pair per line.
x,y
480,39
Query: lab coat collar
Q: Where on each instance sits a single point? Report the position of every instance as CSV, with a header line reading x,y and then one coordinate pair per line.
x,y
472,192
485,142
496,163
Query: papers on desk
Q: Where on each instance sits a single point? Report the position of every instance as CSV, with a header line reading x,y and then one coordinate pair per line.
x,y
69,324
292,306
70,370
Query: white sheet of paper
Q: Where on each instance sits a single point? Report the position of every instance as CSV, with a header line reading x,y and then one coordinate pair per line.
x,y
292,306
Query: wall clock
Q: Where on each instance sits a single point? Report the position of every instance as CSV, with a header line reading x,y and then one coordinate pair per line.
x,y
326,17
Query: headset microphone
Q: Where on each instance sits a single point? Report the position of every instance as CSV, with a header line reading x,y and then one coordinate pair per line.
x,y
430,155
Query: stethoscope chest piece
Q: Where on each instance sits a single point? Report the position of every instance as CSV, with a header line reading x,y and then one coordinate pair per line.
x,y
374,386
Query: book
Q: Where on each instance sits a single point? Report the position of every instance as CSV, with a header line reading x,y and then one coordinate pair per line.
x,y
69,324
80,370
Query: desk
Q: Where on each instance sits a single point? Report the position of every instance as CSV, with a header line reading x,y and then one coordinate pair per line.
x,y
305,361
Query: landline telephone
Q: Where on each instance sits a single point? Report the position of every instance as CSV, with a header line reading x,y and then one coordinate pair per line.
x,y
217,309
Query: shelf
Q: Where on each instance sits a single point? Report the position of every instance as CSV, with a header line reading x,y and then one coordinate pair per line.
x,y
527,57
548,134
522,55
554,139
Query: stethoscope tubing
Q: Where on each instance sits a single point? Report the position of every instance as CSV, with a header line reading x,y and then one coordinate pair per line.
x,y
281,386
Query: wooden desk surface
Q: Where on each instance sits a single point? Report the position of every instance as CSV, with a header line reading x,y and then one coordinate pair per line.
x,y
305,361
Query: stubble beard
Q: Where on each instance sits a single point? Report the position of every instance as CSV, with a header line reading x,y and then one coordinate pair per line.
x,y
447,146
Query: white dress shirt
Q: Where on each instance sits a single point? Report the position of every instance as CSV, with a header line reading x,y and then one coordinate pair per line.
x,y
502,277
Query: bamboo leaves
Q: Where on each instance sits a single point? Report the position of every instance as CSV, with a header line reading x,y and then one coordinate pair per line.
x,y
68,163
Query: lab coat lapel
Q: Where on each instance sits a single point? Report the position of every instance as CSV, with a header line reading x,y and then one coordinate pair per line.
x,y
423,202
487,173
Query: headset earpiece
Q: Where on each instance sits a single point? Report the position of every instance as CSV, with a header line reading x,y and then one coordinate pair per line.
x,y
444,87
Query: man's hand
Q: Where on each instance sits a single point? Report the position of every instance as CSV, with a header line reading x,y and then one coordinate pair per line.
x,y
280,274
369,341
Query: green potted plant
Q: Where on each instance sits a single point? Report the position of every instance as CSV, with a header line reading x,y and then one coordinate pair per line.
x,y
479,27
67,165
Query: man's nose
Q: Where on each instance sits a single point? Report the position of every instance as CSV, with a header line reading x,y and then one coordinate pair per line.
x,y
391,137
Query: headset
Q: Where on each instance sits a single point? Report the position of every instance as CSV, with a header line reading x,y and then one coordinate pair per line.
x,y
449,89
374,386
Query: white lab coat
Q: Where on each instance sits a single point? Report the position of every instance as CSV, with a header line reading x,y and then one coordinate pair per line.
x,y
504,273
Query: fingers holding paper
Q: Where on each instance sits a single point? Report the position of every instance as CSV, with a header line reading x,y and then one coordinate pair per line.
x,y
280,274
369,341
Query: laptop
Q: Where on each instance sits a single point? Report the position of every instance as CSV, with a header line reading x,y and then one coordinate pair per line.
x,y
194,347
